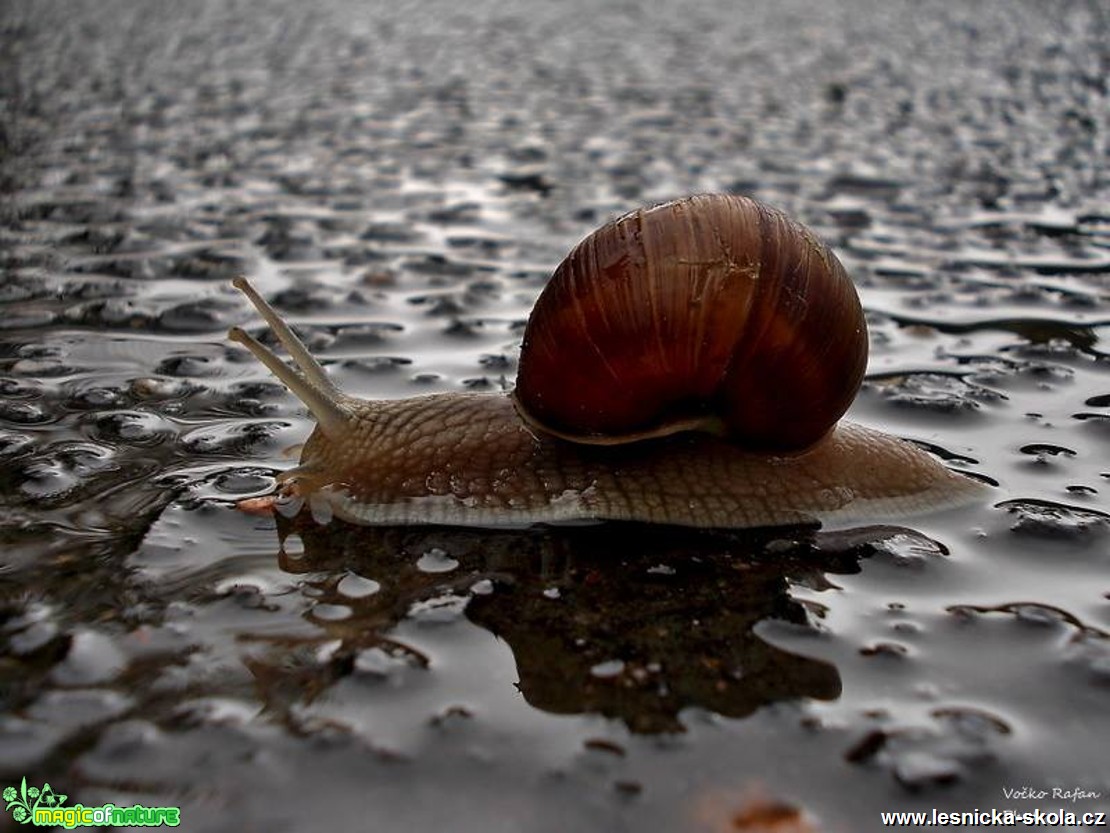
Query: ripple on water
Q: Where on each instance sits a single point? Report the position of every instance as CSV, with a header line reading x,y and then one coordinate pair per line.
x,y
951,744
1054,521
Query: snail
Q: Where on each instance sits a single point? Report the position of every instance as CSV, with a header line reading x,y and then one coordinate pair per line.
x,y
686,364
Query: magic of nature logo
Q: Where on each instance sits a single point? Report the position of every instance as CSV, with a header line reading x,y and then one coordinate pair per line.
x,y
42,806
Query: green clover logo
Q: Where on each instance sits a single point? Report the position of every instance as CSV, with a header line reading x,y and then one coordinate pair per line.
x,y
22,802
49,798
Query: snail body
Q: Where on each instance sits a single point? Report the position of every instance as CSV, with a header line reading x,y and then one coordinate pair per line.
x,y
687,364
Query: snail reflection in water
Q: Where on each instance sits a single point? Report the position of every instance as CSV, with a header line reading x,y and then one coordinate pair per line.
x,y
677,606
686,364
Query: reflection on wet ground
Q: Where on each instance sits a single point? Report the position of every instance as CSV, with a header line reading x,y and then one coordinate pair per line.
x,y
635,623
399,181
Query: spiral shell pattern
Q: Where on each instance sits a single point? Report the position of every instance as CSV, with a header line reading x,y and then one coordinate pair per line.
x,y
713,310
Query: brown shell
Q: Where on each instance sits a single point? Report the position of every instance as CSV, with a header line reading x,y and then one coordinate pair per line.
x,y
709,307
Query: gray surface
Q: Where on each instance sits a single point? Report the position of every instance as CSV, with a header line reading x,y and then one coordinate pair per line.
x,y
401,179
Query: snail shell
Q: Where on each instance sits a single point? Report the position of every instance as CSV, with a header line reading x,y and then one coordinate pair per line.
x,y
714,312
719,340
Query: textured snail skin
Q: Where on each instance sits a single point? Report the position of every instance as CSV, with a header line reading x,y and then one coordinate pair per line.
x,y
467,459
470,460
712,307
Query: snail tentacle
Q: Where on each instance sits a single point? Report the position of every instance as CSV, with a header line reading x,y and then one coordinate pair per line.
x,y
326,405
305,361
